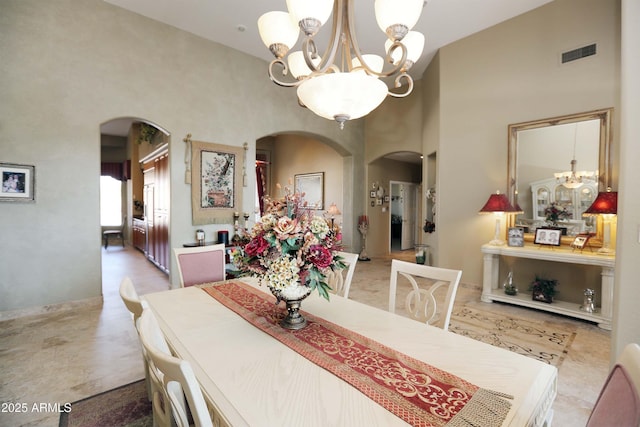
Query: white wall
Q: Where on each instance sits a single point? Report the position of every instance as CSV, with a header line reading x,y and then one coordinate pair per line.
x,y
69,65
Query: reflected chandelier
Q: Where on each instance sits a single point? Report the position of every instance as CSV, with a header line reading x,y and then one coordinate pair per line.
x,y
573,179
351,89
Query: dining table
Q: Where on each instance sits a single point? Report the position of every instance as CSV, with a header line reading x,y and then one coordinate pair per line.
x,y
252,376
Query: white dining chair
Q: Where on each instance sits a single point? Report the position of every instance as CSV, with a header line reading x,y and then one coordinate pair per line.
x,y
173,380
339,282
619,401
422,303
133,303
200,264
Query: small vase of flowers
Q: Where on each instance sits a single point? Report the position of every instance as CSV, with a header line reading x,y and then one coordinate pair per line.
x,y
543,289
553,214
291,249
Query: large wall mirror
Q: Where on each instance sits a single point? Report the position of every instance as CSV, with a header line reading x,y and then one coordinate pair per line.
x,y
564,161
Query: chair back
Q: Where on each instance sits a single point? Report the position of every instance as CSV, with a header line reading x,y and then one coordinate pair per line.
x,y
619,403
422,303
200,264
341,284
130,298
175,375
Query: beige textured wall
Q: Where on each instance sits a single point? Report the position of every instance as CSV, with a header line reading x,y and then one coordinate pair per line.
x,y
510,73
69,65
383,171
297,154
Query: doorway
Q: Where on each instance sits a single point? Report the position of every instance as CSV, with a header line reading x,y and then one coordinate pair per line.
x,y
403,205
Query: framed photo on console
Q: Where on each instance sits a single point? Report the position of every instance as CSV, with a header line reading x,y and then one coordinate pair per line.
x,y
548,236
515,236
580,242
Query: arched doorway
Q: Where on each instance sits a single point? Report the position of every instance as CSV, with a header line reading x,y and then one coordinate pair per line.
x,y
135,154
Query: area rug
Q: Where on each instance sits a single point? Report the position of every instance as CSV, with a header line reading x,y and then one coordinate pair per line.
x,y
548,343
127,405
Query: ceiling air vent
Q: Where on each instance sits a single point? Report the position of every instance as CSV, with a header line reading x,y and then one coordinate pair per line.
x,y
581,52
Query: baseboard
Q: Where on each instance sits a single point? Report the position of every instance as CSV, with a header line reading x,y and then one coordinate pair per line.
x,y
51,308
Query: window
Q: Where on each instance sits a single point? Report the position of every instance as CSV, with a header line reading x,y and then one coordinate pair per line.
x,y
110,201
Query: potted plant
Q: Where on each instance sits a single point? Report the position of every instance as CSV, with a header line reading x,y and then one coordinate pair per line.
x,y
543,289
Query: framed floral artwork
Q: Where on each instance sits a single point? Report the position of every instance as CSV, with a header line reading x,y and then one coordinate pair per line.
x,y
18,183
312,185
216,182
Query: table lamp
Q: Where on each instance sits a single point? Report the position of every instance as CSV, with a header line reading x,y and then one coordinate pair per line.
x,y
606,204
498,204
333,211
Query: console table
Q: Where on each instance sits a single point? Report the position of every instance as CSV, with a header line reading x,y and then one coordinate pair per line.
x,y
492,291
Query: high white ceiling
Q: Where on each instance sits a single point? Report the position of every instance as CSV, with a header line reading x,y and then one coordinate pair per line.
x,y
234,23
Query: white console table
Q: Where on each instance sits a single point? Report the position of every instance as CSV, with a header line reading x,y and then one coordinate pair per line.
x,y
492,291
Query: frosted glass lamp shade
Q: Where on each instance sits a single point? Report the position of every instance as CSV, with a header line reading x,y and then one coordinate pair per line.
x,y
298,66
398,12
278,28
310,9
342,96
413,41
374,62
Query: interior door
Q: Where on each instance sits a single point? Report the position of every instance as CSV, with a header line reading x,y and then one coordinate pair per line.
x,y
408,204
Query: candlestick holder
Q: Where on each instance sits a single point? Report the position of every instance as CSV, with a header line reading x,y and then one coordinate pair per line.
x,y
363,228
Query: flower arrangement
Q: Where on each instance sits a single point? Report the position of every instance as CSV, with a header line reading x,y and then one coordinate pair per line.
x,y
554,214
291,249
543,289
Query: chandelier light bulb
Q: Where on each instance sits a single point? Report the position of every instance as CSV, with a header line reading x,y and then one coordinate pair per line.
x,y
278,32
414,42
397,17
310,15
374,62
298,66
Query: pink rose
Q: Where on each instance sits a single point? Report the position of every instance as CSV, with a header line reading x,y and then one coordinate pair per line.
x,y
287,227
320,256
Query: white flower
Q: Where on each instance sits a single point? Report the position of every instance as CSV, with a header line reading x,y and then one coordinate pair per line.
x,y
319,227
282,272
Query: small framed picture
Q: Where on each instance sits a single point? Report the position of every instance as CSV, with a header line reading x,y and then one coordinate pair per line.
x,y
548,236
18,183
515,236
386,199
580,242
373,203
379,202
372,194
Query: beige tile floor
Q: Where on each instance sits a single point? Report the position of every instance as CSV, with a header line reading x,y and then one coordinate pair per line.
x,y
69,355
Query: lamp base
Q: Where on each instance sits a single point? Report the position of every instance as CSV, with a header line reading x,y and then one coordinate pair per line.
x,y
606,251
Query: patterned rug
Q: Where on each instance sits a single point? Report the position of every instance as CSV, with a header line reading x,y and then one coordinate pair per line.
x,y
127,405
547,343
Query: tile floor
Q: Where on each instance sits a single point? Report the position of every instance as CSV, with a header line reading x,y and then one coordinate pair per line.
x,y
69,355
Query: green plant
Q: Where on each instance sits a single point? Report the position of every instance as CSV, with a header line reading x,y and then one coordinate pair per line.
x,y
147,133
546,287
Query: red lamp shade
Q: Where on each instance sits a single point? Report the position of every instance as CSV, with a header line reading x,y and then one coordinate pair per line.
x,y
605,203
497,203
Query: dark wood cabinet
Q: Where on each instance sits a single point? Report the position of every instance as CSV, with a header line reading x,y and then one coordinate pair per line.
x,y
139,232
156,205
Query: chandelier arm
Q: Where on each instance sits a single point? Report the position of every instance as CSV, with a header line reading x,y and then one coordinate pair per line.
x,y
285,71
309,49
398,83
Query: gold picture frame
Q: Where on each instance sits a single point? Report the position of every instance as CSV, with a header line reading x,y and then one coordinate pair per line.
x,y
216,182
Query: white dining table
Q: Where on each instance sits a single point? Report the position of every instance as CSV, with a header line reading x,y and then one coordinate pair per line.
x,y
251,379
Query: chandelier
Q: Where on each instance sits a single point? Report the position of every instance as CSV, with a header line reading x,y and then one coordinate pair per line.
x,y
342,84
573,179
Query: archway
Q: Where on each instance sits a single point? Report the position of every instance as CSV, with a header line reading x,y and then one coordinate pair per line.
x,y
135,151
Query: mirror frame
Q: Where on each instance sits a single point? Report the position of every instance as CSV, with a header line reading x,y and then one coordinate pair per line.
x,y
604,160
